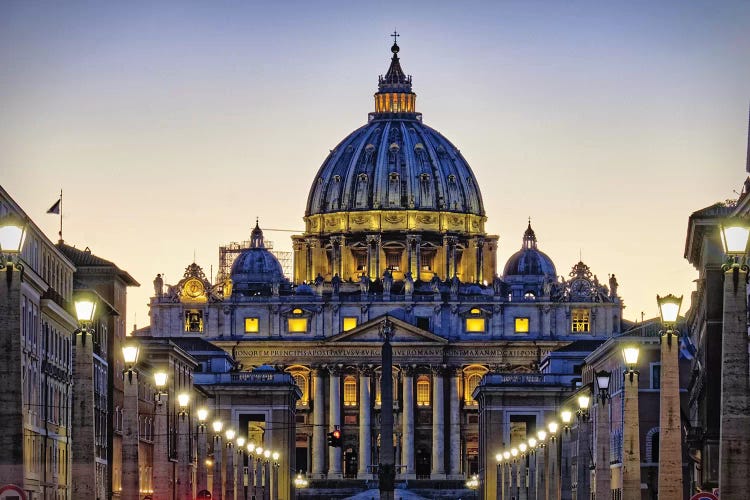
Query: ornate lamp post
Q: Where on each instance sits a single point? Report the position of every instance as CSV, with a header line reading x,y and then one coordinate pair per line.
x,y
217,482
602,472
83,471
275,482
734,433
670,439
300,482
184,461
267,475
229,468
473,484
631,449
583,453
161,471
201,478
130,472
507,475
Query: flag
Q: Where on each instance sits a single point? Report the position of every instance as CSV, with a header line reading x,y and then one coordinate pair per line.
x,y
55,209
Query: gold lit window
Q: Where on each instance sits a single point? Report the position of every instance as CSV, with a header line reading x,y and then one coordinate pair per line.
x,y
423,391
475,322
251,325
580,320
194,321
350,322
522,325
297,323
350,391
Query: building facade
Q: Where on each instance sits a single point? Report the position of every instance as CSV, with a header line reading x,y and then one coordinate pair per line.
x,y
37,364
394,231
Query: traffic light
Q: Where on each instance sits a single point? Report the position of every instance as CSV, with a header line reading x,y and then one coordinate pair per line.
x,y
334,438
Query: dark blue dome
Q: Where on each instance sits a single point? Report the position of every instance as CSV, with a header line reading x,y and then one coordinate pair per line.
x,y
529,261
256,265
395,164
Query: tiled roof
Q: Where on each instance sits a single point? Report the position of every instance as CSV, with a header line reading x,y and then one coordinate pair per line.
x,y
84,258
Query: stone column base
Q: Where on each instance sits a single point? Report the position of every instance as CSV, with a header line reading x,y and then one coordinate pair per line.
x,y
456,477
407,476
438,475
364,475
335,475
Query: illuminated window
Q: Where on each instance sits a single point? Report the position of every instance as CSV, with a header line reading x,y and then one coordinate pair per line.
x,y
579,320
350,391
378,393
349,323
194,321
475,321
423,390
522,325
251,325
296,323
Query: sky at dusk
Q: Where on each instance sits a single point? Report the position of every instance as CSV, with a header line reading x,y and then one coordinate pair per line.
x,y
171,126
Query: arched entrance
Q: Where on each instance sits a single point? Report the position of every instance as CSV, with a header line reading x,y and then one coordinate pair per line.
x,y
351,462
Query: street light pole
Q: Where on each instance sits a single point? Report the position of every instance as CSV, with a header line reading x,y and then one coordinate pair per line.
x,y
631,450
602,472
670,440
130,472
162,474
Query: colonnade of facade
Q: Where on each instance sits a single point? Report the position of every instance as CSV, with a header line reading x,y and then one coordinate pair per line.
x,y
447,451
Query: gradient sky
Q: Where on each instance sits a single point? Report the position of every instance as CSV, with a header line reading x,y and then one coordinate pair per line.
x,y
171,125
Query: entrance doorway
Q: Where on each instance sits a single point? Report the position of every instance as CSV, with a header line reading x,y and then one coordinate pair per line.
x,y
351,462
423,463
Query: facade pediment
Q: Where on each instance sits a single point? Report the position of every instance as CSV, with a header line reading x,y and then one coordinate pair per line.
x,y
403,333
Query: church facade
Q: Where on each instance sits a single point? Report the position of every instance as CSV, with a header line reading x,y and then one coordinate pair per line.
x,y
394,232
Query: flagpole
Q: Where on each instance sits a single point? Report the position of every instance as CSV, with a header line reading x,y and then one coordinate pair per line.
x,y
61,210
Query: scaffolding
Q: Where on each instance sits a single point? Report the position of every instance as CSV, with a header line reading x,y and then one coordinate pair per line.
x,y
229,252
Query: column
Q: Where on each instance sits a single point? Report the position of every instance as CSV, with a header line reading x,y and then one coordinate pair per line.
x,y
267,481
259,477
373,256
438,426
365,435
454,431
631,450
217,485
603,474
734,434
251,474
523,489
202,473
83,471
184,481
334,419
319,426
230,472
479,244
413,249
552,468
407,423
162,467
540,479
582,459
130,472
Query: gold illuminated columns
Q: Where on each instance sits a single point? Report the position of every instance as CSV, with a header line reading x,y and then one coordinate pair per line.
x,y
395,102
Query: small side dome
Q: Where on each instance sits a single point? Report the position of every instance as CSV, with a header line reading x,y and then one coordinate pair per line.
x,y
304,289
529,261
256,267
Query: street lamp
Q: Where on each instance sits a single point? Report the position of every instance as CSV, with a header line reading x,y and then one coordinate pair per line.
x,y
130,352
566,416
583,407
229,433
299,483
202,416
734,433
602,382
542,435
217,426
631,453
12,236
240,442
183,400
552,427
85,305
160,381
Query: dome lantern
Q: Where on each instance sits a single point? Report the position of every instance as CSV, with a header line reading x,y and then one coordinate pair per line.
x,y
394,93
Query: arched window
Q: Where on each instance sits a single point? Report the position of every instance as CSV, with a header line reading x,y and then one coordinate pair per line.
x,y
472,381
423,390
350,391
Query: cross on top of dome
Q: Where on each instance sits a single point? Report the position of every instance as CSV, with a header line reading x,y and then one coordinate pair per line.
x,y
395,80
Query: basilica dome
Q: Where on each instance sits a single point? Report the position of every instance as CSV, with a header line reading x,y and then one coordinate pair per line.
x,y
529,261
255,266
395,162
